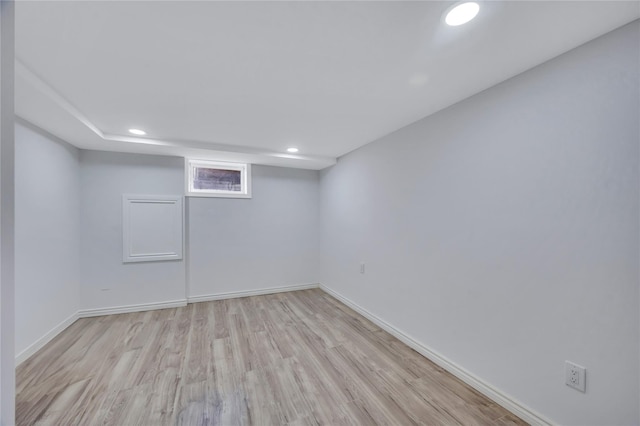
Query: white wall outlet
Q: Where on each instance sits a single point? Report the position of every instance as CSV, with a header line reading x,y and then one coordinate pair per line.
x,y
575,376
362,268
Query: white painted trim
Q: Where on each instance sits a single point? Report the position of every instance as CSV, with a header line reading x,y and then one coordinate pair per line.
x,y
190,164
39,344
128,201
260,292
506,401
85,313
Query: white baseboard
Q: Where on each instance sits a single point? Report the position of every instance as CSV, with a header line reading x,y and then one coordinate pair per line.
x,y
475,382
511,404
38,344
85,313
260,292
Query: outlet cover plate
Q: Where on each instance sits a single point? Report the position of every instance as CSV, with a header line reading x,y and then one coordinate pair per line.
x,y
575,376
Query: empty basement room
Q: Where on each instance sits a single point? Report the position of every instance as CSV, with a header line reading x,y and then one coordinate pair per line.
x,y
319,213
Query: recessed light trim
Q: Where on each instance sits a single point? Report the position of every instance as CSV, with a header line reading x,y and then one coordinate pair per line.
x,y
137,132
292,150
461,13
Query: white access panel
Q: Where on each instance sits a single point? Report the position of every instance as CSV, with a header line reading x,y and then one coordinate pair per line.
x,y
152,227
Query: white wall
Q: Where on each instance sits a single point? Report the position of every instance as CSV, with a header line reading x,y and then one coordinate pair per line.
x,y
233,245
47,233
503,232
7,216
269,240
106,281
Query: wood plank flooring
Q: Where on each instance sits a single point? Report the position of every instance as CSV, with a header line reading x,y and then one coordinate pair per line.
x,y
298,358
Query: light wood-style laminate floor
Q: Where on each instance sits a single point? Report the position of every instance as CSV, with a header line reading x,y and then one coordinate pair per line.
x,y
297,358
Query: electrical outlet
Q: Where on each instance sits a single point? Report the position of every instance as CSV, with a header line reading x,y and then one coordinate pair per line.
x,y
362,268
575,376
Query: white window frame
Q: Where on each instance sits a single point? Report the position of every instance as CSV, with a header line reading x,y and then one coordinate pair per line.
x,y
245,178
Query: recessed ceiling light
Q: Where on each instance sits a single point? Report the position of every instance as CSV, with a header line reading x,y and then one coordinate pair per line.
x,y
137,132
292,150
461,13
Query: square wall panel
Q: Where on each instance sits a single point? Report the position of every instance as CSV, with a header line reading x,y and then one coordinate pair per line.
x,y
152,227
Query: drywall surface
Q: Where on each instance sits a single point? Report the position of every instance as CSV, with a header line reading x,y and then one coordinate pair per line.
x,y
269,240
47,233
107,281
7,215
503,232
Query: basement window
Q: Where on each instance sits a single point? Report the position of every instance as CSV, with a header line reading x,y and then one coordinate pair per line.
x,y
207,178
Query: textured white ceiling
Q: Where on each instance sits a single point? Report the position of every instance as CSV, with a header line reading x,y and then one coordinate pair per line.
x,y
245,80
